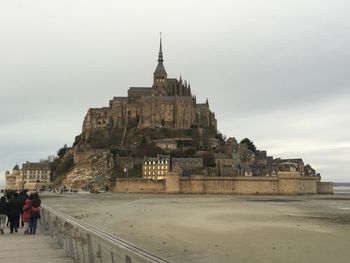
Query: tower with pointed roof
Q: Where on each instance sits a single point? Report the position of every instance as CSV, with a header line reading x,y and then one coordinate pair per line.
x,y
159,87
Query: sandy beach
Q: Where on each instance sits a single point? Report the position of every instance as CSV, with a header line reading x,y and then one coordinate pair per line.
x,y
221,228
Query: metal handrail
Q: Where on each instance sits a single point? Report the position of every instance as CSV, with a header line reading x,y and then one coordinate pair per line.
x,y
112,239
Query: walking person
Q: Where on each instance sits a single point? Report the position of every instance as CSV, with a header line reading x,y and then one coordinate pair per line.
x,y
26,215
35,212
36,201
8,195
15,210
22,196
35,215
4,209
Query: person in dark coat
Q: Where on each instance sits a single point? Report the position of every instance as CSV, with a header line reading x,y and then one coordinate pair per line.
x,y
35,216
36,201
4,210
35,212
8,195
15,210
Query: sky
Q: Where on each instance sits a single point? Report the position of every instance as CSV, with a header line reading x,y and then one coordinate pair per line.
x,y
274,71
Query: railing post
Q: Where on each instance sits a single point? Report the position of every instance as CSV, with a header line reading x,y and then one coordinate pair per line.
x,y
70,241
127,259
77,258
59,233
100,253
82,247
90,249
112,256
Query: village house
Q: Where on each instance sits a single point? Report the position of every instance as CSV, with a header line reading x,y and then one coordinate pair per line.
x,y
32,175
156,168
187,166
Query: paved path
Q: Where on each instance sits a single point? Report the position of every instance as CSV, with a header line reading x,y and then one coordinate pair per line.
x,y
39,248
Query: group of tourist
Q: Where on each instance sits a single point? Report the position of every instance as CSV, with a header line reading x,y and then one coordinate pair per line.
x,y
19,209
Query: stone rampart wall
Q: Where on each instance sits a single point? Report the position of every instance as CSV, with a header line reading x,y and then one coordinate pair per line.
x,y
308,185
254,185
229,185
287,183
325,188
139,186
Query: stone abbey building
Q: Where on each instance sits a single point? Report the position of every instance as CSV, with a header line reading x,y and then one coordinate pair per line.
x,y
169,103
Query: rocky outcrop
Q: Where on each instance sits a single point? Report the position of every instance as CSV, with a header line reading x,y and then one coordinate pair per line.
x,y
89,165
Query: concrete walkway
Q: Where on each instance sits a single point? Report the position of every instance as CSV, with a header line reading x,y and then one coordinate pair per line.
x,y
39,248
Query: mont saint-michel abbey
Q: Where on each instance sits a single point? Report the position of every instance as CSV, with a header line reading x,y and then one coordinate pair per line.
x,y
169,103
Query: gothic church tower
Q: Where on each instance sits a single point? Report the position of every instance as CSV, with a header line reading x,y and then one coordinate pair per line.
x,y
159,87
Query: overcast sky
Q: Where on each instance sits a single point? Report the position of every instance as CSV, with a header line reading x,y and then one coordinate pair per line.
x,y
277,72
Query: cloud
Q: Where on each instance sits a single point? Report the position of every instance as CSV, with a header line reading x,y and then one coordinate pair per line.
x,y
274,71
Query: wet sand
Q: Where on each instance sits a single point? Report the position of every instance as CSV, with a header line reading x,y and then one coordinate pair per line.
x,y
221,228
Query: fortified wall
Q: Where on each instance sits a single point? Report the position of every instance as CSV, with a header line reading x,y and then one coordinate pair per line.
x,y
288,183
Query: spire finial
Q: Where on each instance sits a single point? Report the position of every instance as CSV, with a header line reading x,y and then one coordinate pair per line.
x,y
160,56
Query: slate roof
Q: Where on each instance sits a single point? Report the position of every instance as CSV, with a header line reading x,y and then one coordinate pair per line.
x,y
186,159
221,156
160,69
201,105
171,81
293,160
160,98
36,166
158,158
140,89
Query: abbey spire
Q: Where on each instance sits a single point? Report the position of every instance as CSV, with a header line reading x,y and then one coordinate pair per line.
x,y
160,75
160,67
160,55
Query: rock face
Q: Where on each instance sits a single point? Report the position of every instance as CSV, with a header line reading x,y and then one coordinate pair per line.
x,y
89,165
